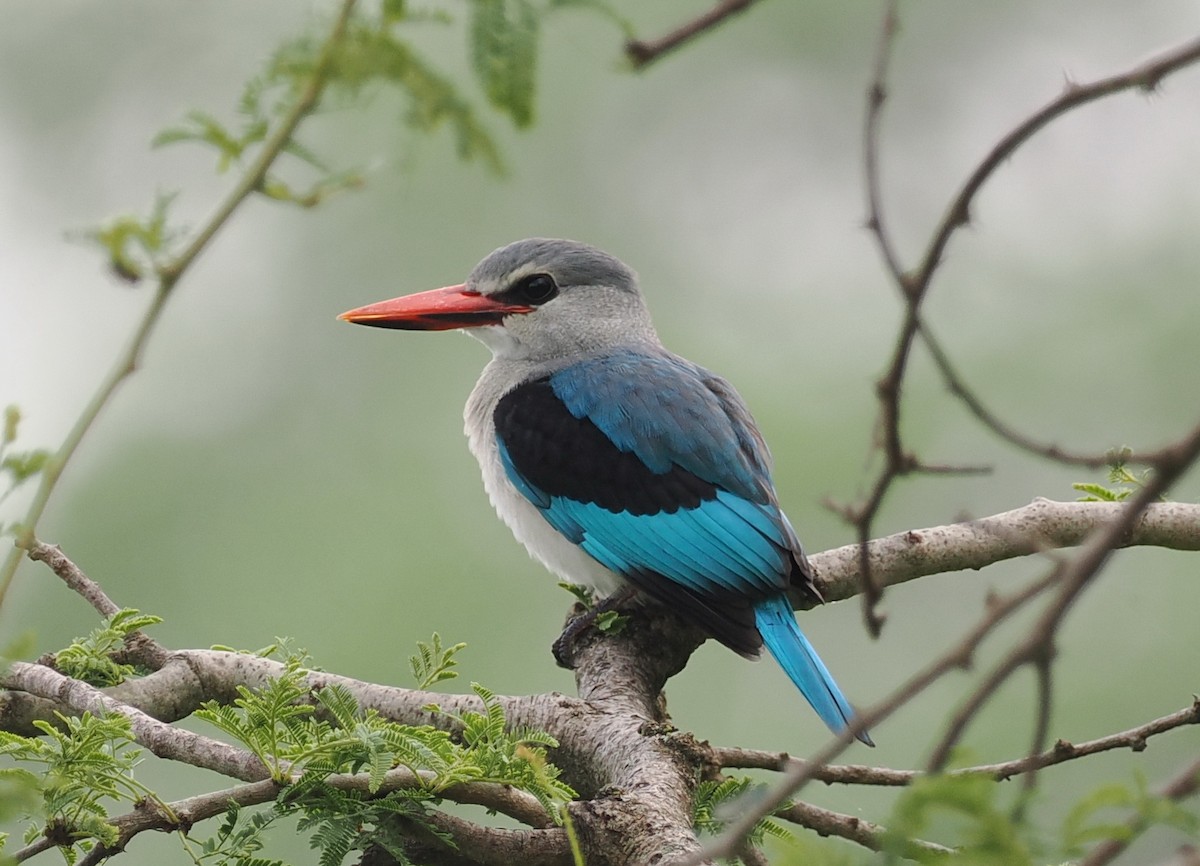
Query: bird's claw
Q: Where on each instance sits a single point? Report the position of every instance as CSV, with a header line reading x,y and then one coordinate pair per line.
x,y
564,645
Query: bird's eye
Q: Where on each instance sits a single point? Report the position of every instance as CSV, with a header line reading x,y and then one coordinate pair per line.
x,y
535,289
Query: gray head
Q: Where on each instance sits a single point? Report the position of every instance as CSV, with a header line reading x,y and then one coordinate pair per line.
x,y
539,299
585,300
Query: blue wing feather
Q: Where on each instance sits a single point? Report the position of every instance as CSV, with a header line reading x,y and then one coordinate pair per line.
x,y
654,467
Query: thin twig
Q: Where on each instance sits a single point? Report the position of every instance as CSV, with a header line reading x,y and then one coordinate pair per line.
x,y
865,833
876,97
914,284
643,52
1062,751
139,648
1075,577
169,276
1044,666
958,387
797,776
73,577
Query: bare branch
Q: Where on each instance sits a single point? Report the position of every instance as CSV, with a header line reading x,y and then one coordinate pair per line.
x,y
1050,451
73,577
914,284
138,646
876,97
1074,577
1145,76
1062,751
174,744
643,52
851,827
479,844
798,775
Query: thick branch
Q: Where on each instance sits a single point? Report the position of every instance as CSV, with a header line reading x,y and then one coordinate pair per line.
x,y
476,844
1042,525
174,744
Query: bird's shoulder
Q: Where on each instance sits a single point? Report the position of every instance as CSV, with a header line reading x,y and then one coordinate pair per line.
x,y
670,414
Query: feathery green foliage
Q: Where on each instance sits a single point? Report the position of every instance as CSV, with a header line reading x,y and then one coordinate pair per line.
x,y
432,663
1126,484
307,737
376,53
90,658
136,245
716,802
514,757
85,761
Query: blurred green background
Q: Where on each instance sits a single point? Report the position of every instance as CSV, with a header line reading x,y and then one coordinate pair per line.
x,y
271,471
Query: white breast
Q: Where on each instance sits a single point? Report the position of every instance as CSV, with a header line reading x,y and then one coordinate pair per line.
x,y
543,541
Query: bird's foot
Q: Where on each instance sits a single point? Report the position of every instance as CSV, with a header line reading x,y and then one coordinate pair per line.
x,y
564,645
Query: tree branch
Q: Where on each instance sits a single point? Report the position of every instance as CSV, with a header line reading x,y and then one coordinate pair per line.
x,y
865,833
474,843
1074,578
643,52
1050,451
1042,525
168,742
914,285
183,814
1134,739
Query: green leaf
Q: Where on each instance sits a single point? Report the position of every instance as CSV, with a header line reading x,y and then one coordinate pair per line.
x,y
985,832
504,36
606,10
23,465
12,420
611,622
89,658
1137,809
370,55
717,802
84,761
135,244
1096,492
583,594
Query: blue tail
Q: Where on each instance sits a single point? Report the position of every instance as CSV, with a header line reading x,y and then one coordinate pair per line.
x,y
777,625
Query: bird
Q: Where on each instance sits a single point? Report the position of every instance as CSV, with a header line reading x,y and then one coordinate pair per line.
x,y
620,465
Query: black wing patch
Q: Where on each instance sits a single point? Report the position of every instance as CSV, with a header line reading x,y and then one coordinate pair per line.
x,y
562,455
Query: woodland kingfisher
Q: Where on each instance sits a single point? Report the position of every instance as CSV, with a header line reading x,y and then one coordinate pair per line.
x,y
617,463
